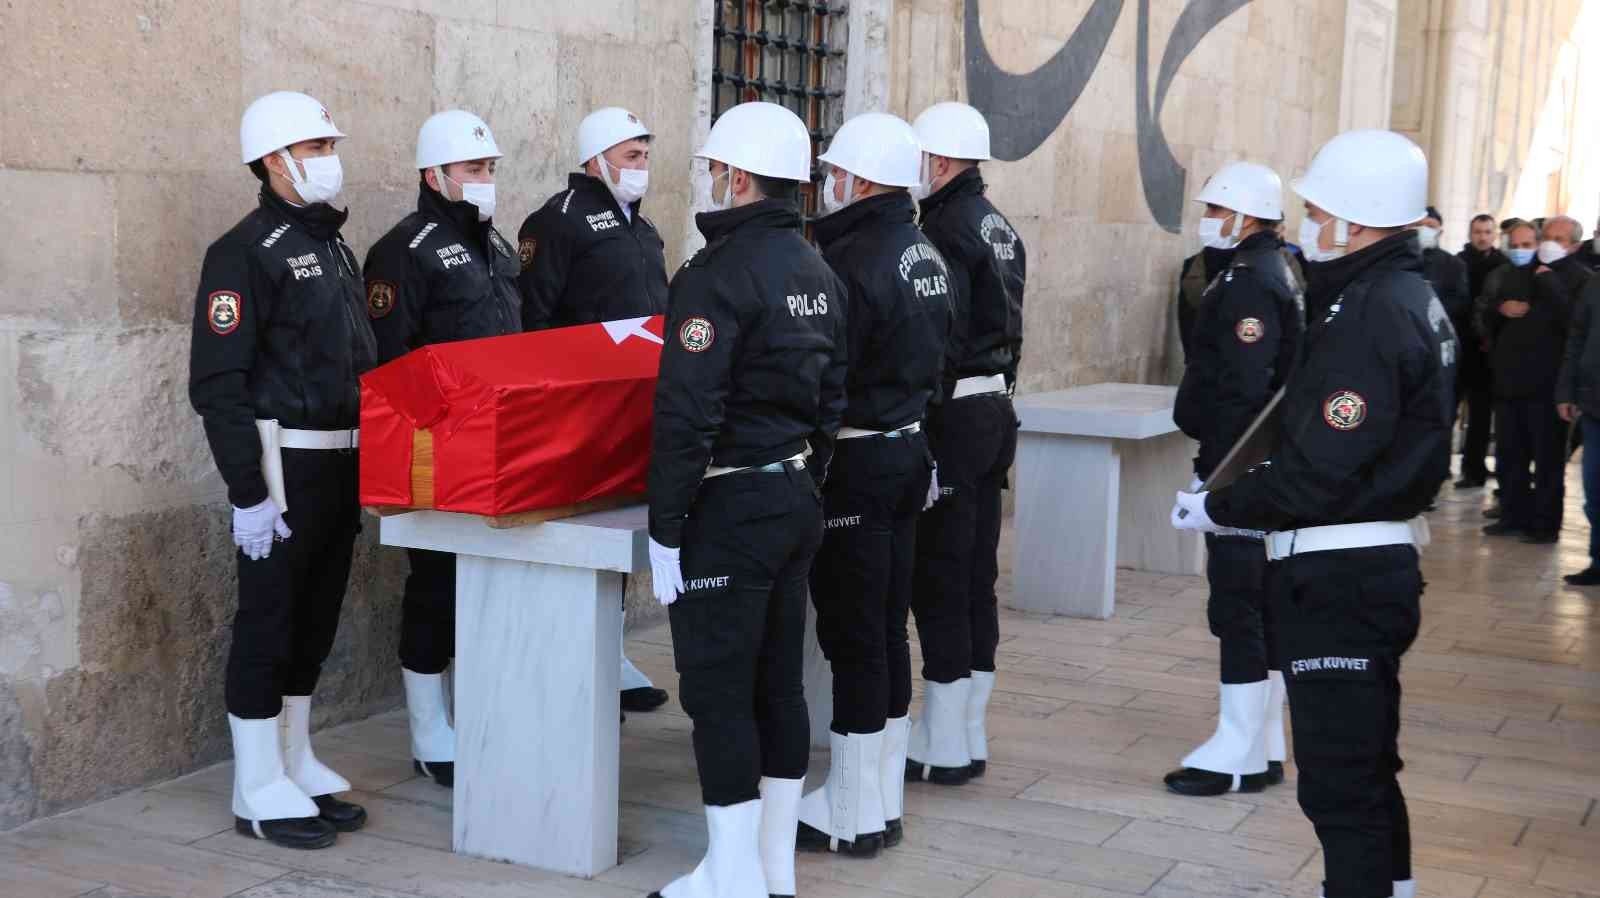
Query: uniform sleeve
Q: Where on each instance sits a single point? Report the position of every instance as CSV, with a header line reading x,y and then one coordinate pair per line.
x,y
395,294
960,308
546,256
1246,360
832,400
1331,436
1577,336
1015,325
702,339
1185,313
989,286
222,352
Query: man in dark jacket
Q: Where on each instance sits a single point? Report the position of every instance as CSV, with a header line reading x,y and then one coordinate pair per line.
x,y
1578,398
1524,311
1481,256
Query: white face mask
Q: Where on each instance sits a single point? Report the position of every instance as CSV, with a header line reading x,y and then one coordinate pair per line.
x,y
726,202
1211,233
323,179
831,204
1311,236
924,186
629,186
480,195
1429,237
1551,252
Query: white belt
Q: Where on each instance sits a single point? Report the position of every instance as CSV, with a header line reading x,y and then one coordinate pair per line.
x,y
856,433
1284,543
715,471
977,386
319,439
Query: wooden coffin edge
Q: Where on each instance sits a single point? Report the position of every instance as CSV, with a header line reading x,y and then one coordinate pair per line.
x,y
422,495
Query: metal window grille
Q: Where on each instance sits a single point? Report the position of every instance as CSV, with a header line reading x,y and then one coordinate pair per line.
x,y
789,52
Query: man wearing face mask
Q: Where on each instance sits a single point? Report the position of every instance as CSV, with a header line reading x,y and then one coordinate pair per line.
x,y
589,255
1481,256
878,479
1246,333
973,434
1524,311
753,371
1356,457
280,338
442,274
1448,275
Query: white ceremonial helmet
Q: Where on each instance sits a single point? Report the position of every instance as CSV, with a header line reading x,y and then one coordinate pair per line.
x,y
877,147
954,131
1373,178
762,139
454,136
1247,188
282,119
605,128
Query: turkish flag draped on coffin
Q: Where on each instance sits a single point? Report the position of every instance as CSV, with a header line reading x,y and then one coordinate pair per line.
x,y
517,423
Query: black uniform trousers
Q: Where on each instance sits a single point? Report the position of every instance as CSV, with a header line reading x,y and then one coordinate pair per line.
x,y
1343,619
289,601
738,629
974,440
1529,433
861,581
1237,609
1475,446
428,612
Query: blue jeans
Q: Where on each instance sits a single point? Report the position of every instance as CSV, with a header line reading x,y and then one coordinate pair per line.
x,y
1591,481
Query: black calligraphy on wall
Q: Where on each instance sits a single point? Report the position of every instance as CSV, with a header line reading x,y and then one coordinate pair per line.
x,y
1024,110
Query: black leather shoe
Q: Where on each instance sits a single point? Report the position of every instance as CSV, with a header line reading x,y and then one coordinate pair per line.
x,y
809,838
894,831
1274,773
1589,576
290,832
1205,783
441,772
643,699
1470,483
943,776
977,768
1541,537
344,816
1501,528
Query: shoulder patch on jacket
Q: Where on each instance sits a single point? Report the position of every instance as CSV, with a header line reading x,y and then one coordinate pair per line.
x,y
525,250
1249,330
380,298
222,312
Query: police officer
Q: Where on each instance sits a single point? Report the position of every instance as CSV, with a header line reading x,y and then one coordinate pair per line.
x,y
973,433
753,370
1448,276
443,273
280,337
1247,330
589,255
898,320
1355,460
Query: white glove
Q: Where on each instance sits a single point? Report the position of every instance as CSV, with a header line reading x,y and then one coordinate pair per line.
x,y
254,528
1190,513
666,574
1196,485
933,488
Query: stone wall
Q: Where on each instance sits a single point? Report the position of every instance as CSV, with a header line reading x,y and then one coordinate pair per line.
x,y
118,162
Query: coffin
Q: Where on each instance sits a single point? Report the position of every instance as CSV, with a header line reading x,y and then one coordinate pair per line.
x,y
516,428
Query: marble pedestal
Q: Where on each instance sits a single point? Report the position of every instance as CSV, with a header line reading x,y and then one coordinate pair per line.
x,y
1096,471
538,609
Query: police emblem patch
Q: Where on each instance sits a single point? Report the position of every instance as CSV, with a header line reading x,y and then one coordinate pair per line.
x,y
1345,410
326,117
222,312
380,298
697,334
479,133
525,251
1249,330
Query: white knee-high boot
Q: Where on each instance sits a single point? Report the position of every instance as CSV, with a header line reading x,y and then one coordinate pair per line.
x,y
849,806
1237,746
939,737
977,720
1277,746
732,865
433,740
891,777
262,789
299,761
780,815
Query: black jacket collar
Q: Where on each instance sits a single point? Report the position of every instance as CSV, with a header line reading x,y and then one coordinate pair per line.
x,y
460,213
320,220
597,190
968,183
1326,280
774,214
885,208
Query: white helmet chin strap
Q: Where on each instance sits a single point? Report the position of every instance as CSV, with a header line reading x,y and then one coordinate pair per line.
x,y
1341,233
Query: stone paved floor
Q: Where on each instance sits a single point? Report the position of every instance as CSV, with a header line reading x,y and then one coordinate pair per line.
x,y
1500,737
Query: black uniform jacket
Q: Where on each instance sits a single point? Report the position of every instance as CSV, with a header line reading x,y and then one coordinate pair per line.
x,y
1525,353
754,361
1366,415
1448,275
441,275
1474,368
899,313
584,261
280,332
988,268
1246,333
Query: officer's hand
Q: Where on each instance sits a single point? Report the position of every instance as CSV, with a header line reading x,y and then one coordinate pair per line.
x,y
1189,513
933,488
1196,484
1568,411
255,527
666,574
